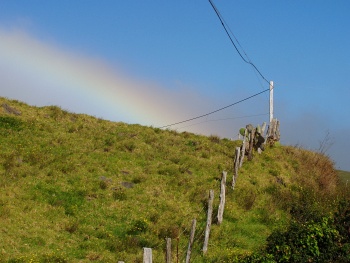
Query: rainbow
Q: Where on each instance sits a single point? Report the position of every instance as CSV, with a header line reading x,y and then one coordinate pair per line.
x,y
96,88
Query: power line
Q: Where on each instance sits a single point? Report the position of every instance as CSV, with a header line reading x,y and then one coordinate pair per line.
x,y
204,115
233,43
223,119
241,47
229,29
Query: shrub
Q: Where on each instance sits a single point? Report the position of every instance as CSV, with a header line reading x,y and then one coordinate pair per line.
x,y
342,218
325,240
304,242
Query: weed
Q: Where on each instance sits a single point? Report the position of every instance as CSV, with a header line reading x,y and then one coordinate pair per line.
x,y
139,179
138,226
214,138
103,185
11,161
10,123
157,130
274,172
169,170
247,197
128,145
71,226
119,194
56,112
191,143
205,154
169,232
4,210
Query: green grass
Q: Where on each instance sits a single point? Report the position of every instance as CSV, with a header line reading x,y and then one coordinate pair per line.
x,y
74,188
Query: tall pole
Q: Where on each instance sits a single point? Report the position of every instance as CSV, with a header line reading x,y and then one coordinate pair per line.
x,y
271,100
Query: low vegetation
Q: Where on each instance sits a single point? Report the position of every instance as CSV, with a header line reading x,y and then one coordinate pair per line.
x,y
75,188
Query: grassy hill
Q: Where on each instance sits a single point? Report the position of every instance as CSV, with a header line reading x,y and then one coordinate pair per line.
x,y
74,188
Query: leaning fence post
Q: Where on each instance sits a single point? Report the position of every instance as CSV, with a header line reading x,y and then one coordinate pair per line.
x,y
190,243
222,198
209,217
147,255
168,250
236,164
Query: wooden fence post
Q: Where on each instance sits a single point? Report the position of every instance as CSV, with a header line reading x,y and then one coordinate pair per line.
x,y
236,164
147,255
278,134
272,128
177,249
168,250
263,127
273,132
268,133
243,149
251,145
222,197
209,218
190,243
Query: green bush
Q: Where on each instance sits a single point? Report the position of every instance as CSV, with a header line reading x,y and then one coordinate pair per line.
x,y
342,218
314,241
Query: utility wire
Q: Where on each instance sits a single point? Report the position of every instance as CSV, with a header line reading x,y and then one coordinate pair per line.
x,y
233,43
229,29
204,115
223,119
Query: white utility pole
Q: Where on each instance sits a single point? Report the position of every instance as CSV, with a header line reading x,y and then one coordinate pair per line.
x,y
271,100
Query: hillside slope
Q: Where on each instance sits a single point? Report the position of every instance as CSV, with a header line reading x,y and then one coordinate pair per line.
x,y
74,188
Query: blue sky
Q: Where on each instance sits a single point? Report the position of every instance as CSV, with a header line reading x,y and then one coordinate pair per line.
x,y
172,60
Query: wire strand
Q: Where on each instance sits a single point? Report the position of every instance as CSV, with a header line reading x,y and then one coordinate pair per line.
x,y
207,114
222,119
233,43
